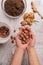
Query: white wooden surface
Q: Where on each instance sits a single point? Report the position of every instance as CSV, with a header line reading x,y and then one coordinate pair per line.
x,y
6,49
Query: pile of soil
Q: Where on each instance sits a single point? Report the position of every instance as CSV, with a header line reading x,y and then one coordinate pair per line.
x,y
14,7
4,32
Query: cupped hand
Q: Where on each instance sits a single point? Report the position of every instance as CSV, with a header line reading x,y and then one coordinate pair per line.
x,y
19,42
31,40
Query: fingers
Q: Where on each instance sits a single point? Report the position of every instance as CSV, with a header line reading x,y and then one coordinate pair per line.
x,y
28,29
25,28
22,28
24,34
32,36
17,38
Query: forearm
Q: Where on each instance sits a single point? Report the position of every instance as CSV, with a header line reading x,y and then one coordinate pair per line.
x,y
33,59
18,56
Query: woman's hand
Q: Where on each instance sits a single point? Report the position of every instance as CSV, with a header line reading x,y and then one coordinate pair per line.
x,y
31,40
19,42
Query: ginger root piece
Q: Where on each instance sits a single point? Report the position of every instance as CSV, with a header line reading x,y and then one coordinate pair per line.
x,y
28,15
34,8
31,15
29,23
23,23
29,18
25,16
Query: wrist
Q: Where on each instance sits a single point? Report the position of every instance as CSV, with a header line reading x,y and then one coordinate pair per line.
x,y
30,48
20,49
